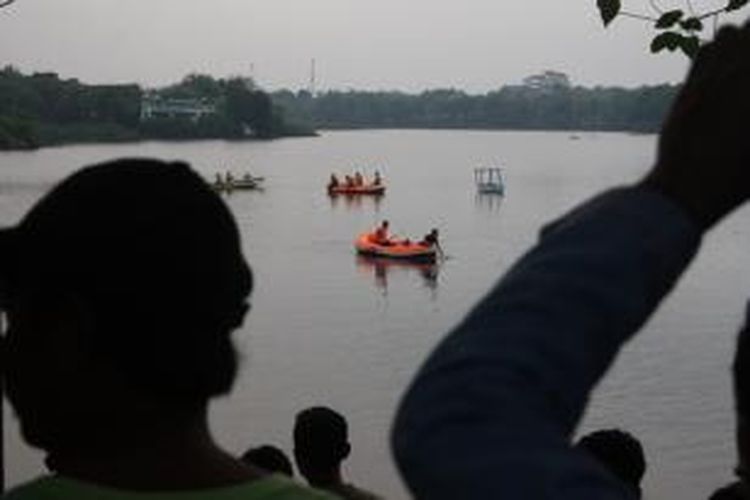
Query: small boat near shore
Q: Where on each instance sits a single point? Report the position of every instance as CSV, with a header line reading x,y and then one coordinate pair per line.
x,y
402,250
246,182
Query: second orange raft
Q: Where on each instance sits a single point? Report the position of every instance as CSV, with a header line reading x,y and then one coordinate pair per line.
x,y
395,249
368,189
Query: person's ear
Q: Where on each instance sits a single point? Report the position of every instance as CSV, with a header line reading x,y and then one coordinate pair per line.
x,y
346,450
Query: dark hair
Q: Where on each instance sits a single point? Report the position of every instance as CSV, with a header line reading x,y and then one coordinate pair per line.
x,y
618,451
155,255
321,434
269,458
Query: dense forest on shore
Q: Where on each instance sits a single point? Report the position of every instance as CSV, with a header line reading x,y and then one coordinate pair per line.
x,y
43,109
547,101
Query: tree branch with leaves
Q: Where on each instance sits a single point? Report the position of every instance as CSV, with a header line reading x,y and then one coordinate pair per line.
x,y
678,28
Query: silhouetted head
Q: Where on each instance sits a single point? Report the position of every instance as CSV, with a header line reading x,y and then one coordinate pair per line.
x,y
741,378
123,284
384,224
734,491
321,443
269,458
620,452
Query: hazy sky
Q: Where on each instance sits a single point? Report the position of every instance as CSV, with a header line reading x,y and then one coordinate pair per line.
x,y
411,45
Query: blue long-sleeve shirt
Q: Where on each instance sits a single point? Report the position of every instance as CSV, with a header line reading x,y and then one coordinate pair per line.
x,y
491,412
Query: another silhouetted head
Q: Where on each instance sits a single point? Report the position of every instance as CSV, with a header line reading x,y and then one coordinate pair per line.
x,y
620,452
269,458
741,377
124,283
321,443
734,491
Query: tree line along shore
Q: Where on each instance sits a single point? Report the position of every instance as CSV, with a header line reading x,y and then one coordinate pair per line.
x,y
42,109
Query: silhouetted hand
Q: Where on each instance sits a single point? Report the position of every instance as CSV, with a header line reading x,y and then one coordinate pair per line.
x,y
704,148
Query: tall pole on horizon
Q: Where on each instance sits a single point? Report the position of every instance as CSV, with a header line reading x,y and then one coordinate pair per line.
x,y
312,77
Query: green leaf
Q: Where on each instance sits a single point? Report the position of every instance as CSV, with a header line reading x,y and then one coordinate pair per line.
x,y
690,46
658,44
736,4
669,19
608,10
692,24
668,40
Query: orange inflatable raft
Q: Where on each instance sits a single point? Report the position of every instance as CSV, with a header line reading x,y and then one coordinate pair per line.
x,y
401,250
371,189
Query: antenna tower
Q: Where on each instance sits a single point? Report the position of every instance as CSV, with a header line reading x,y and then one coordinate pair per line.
x,y
312,78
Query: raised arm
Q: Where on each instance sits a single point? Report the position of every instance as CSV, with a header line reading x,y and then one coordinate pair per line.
x,y
491,412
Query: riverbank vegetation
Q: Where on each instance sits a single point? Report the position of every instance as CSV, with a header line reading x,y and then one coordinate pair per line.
x,y
547,101
43,109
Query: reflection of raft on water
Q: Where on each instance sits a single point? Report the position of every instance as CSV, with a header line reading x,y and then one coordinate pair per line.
x,y
424,266
398,250
368,189
382,267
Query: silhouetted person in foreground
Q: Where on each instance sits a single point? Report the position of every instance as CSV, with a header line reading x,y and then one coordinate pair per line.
x,y
125,283
491,412
619,452
269,458
734,491
321,444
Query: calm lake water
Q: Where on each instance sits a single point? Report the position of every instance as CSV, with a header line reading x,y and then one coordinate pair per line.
x,y
327,328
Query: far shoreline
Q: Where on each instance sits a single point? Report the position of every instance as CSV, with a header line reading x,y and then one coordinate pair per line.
x,y
317,133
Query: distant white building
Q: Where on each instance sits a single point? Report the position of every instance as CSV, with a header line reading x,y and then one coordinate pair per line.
x,y
154,106
547,81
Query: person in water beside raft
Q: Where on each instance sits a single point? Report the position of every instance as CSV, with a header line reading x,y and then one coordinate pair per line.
x,y
333,182
431,240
